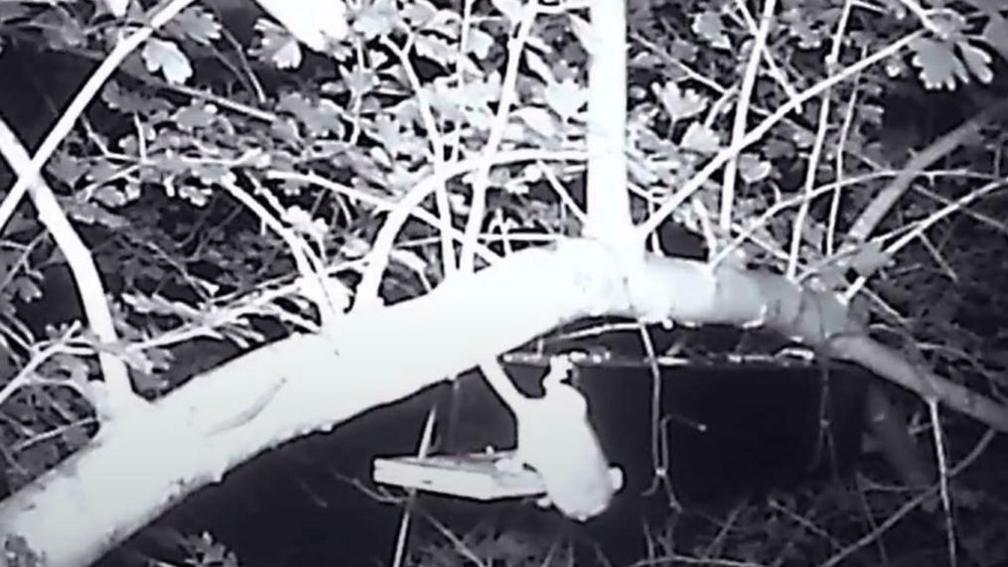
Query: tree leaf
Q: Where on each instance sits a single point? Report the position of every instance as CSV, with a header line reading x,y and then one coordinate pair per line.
x,y
419,13
196,115
677,103
433,47
276,46
752,169
319,117
166,57
376,19
700,138
709,26
303,222
938,64
978,61
566,98
196,24
480,42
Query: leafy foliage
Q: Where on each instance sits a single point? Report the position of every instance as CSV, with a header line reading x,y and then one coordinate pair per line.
x,y
208,109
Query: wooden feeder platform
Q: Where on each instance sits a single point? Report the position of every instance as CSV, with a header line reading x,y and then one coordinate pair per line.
x,y
478,476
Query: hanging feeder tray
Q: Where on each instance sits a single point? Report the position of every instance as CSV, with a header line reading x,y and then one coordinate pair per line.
x,y
478,476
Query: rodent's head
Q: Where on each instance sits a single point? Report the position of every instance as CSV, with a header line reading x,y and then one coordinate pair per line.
x,y
588,498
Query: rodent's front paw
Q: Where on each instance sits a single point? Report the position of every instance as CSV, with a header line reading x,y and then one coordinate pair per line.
x,y
616,478
509,465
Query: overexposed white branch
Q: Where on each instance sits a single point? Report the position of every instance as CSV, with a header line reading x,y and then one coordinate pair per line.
x,y
608,202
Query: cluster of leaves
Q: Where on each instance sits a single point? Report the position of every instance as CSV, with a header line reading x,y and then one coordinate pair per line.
x,y
687,51
691,53
207,110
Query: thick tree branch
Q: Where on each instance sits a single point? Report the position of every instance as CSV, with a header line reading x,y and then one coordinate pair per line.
x,y
141,465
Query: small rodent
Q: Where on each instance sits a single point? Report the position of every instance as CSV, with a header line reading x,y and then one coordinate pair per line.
x,y
556,439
